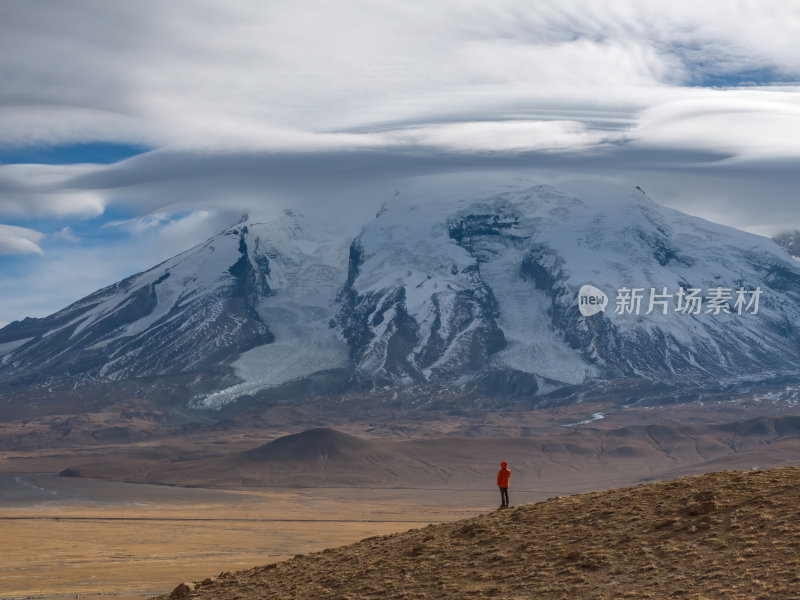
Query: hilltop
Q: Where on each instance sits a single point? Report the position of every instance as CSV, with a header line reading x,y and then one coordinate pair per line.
x,y
727,535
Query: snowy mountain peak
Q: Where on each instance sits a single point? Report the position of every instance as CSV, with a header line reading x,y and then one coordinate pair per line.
x,y
790,240
198,311
490,284
472,285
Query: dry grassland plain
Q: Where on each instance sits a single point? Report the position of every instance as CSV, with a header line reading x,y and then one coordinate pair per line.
x,y
128,541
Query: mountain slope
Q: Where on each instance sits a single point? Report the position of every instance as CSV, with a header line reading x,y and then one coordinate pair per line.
x,y
198,312
789,240
461,287
447,287
721,535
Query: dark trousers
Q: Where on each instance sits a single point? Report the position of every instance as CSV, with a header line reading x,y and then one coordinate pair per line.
x,y
503,496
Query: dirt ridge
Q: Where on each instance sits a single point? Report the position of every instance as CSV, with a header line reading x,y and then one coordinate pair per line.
x,y
732,534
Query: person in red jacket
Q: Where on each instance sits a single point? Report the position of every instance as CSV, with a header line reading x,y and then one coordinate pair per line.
x,y
503,476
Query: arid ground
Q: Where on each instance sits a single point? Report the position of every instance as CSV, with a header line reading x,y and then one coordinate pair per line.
x,y
720,536
63,538
289,480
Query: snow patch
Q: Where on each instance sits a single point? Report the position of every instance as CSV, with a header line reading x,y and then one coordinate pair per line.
x,y
7,347
595,417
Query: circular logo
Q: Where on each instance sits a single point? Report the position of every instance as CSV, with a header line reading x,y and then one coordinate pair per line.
x,y
591,300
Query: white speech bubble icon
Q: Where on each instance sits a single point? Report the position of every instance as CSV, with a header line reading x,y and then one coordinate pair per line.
x,y
591,300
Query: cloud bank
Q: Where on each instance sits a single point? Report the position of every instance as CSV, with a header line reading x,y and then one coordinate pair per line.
x,y
19,240
249,105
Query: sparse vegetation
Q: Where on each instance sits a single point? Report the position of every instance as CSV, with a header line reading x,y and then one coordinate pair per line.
x,y
728,535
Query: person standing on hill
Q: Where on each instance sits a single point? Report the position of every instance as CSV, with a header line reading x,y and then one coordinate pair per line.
x,y
503,477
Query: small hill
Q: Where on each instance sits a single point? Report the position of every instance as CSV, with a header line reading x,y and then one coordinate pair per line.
x,y
314,444
568,459
732,535
323,457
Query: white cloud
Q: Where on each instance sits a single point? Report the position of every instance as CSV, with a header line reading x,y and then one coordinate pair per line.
x,y
19,240
204,75
35,191
747,124
502,136
325,106
55,124
174,232
142,224
65,234
190,226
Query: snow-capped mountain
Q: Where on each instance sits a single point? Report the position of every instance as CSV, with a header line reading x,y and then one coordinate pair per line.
x,y
257,287
465,288
449,288
789,240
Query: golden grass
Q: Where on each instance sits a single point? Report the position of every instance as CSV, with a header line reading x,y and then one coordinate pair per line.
x,y
135,551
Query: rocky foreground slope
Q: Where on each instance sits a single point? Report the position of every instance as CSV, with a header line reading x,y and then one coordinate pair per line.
x,y
722,535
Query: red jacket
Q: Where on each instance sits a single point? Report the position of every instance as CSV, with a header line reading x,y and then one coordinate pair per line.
x,y
503,475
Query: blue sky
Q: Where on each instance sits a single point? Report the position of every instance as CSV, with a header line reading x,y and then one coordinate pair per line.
x,y
132,131
102,153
